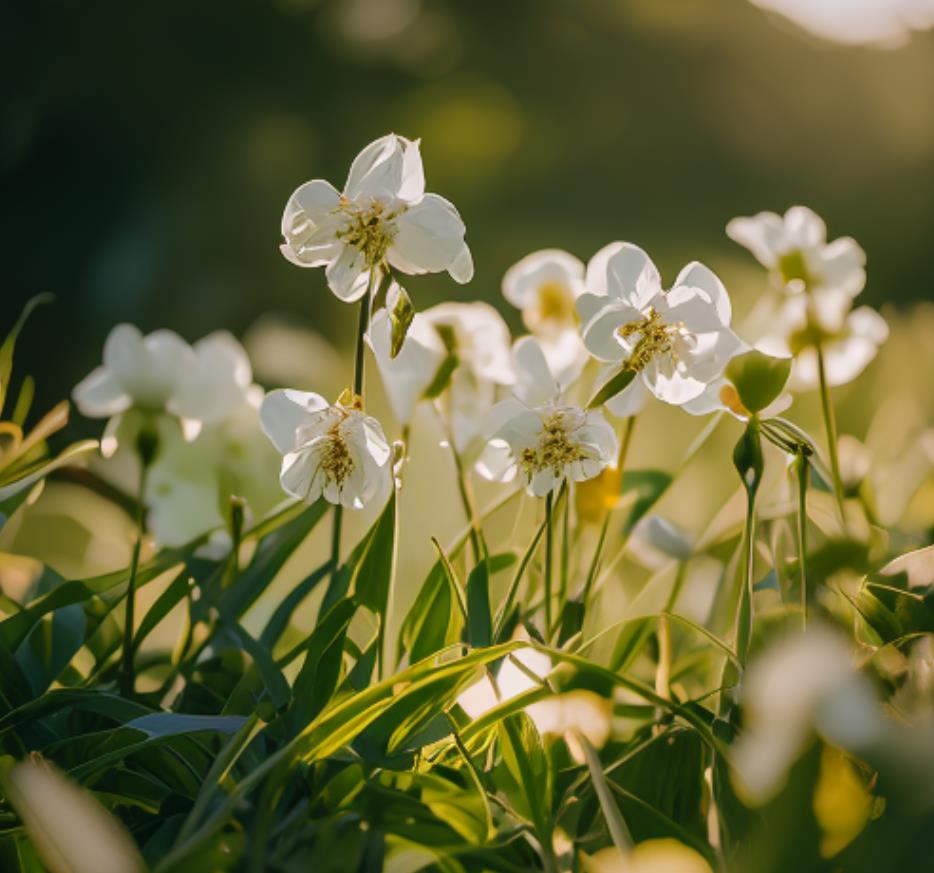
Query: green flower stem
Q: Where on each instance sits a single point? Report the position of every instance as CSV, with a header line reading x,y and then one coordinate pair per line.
x,y
744,613
470,509
363,322
565,548
801,468
127,672
624,442
549,556
830,425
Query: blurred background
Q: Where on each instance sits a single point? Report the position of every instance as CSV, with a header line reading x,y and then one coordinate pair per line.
x,y
147,149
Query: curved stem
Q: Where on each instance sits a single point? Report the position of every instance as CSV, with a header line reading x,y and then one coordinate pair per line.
x,y
127,672
830,425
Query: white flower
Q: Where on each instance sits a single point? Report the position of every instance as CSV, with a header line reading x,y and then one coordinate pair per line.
x,y
795,250
511,681
677,342
161,374
545,286
850,339
535,435
382,216
878,23
802,684
458,351
334,451
189,487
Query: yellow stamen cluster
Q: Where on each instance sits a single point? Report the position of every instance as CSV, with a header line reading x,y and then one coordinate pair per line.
x,y
336,462
369,229
655,338
555,448
555,304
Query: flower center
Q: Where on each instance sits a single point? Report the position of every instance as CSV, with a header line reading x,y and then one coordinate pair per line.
x,y
793,267
369,229
555,304
654,338
555,447
336,462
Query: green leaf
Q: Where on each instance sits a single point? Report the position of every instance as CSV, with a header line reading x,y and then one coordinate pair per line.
x,y
168,724
758,378
433,620
373,576
612,387
525,759
747,458
479,620
9,344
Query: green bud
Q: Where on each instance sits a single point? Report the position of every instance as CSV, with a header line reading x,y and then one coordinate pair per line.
x,y
758,378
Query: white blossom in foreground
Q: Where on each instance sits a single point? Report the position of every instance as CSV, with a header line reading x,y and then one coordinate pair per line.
x,y
456,354
651,856
334,451
511,681
795,251
877,23
160,374
803,684
537,436
676,342
849,339
545,286
382,216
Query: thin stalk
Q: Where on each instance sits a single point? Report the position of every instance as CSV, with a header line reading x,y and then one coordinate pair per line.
x,y
127,673
744,613
549,556
830,425
565,548
624,442
470,509
801,462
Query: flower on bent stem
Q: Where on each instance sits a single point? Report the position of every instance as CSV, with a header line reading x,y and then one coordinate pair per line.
x,y
535,435
544,286
675,342
334,451
383,216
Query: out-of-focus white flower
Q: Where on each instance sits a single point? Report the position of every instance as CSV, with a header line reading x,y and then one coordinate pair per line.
x,y
545,286
535,435
878,23
802,684
511,681
676,342
334,451
383,216
572,715
70,829
189,487
795,250
850,339
161,374
650,856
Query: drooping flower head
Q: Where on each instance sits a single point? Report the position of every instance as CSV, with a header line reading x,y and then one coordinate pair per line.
x,y
545,286
794,249
456,354
330,450
676,342
383,216
535,435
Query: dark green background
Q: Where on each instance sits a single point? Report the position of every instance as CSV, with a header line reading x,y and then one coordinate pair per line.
x,y
147,148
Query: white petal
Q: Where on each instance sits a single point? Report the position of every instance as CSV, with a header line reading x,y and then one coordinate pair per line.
x,y
407,376
461,268
300,475
842,266
709,401
535,384
670,385
496,462
348,276
600,334
315,201
696,275
543,482
523,280
148,368
566,356
100,395
630,401
631,276
762,234
588,305
219,382
429,238
309,224
283,412
804,228
377,172
595,277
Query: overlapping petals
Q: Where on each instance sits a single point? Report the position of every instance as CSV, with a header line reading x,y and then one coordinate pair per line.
x,y
382,217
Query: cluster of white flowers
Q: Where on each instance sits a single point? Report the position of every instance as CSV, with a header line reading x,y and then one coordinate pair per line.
x,y
818,282
606,330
